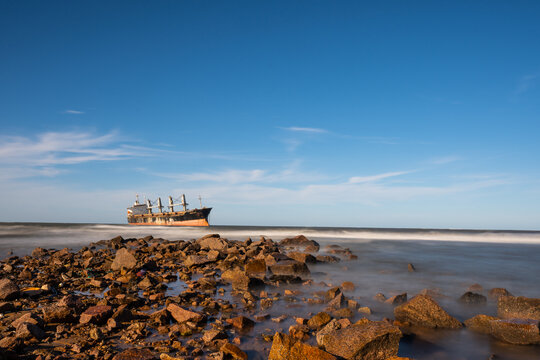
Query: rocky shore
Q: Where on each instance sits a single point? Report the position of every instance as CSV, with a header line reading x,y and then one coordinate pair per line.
x,y
213,298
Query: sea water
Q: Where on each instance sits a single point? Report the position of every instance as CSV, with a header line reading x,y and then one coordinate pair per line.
x,y
446,261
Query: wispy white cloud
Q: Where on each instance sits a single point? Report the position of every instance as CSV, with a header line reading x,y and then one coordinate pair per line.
x,y
373,178
444,159
73,112
305,130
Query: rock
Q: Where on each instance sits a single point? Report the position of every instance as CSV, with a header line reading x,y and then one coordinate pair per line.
x,y
411,267
197,260
480,323
8,290
374,340
331,294
58,314
495,293
290,267
241,323
27,330
347,286
96,315
302,257
337,302
233,351
397,299
239,280
10,343
518,307
29,318
285,347
212,242
123,259
319,320
343,313
472,298
475,288
422,310
6,306
135,354
364,310
300,241
327,259
182,315
379,297
516,331
39,253
256,268
213,334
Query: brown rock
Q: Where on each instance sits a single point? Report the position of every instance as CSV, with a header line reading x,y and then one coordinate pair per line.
x,y
182,315
290,267
422,310
10,343
123,259
374,340
213,242
196,260
302,257
327,259
480,323
8,290
300,241
239,280
347,286
241,323
495,293
213,334
285,347
29,318
411,267
319,320
256,268
27,330
516,331
233,351
135,354
96,315
58,314
39,252
397,299
518,307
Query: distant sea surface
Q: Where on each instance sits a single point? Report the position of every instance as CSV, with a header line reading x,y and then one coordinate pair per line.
x,y
448,261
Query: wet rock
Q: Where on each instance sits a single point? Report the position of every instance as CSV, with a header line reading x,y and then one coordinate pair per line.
x,y
422,310
343,313
239,280
290,267
472,298
197,260
397,299
212,242
302,257
337,302
241,323
233,351
27,330
8,290
182,315
58,314
495,293
285,347
374,340
319,320
256,268
347,286
365,310
96,315
518,307
135,354
480,323
213,334
327,259
332,293
379,297
516,331
300,241
410,267
123,259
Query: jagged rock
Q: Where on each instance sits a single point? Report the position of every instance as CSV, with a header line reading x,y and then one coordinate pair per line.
x,y
256,268
374,340
196,260
397,299
58,314
480,323
290,267
410,267
518,307
135,354
29,318
123,259
242,323
422,310
285,347
379,297
473,298
96,315
27,330
302,257
11,343
182,315
327,259
39,253
213,334
233,351
8,290
328,328
495,293
319,320
337,302
299,241
212,242
239,280
516,331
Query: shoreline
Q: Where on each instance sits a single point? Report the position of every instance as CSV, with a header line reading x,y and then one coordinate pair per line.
x,y
222,298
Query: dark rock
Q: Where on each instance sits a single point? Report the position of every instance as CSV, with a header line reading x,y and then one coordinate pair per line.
x,y
123,259
29,318
58,314
11,343
233,351
397,299
472,298
6,306
516,331
8,290
96,314
135,354
422,310
374,340
518,307
39,253
290,267
27,330
327,259
239,280
182,315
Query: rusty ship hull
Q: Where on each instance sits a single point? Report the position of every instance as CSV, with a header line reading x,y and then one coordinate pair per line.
x,y
194,217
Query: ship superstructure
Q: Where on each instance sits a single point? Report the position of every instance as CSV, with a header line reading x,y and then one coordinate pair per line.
x,y
151,213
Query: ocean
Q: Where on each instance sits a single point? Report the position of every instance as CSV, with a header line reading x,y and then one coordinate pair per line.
x,y
446,261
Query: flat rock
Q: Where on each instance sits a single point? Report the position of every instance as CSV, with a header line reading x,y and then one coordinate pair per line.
x,y
182,315
135,354
516,331
373,340
241,323
8,290
422,310
196,260
96,314
290,267
239,280
123,259
518,307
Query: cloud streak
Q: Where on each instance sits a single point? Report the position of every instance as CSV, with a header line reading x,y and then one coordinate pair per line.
x,y
73,112
307,130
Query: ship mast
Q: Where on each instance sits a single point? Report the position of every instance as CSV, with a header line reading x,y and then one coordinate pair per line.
x,y
184,203
172,204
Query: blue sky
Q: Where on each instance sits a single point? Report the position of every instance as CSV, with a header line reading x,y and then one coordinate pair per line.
x,y
318,113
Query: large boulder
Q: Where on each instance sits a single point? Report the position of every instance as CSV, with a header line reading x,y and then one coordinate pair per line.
x,y
182,315
509,307
480,323
8,290
285,347
422,310
373,340
290,267
123,259
516,331
300,241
